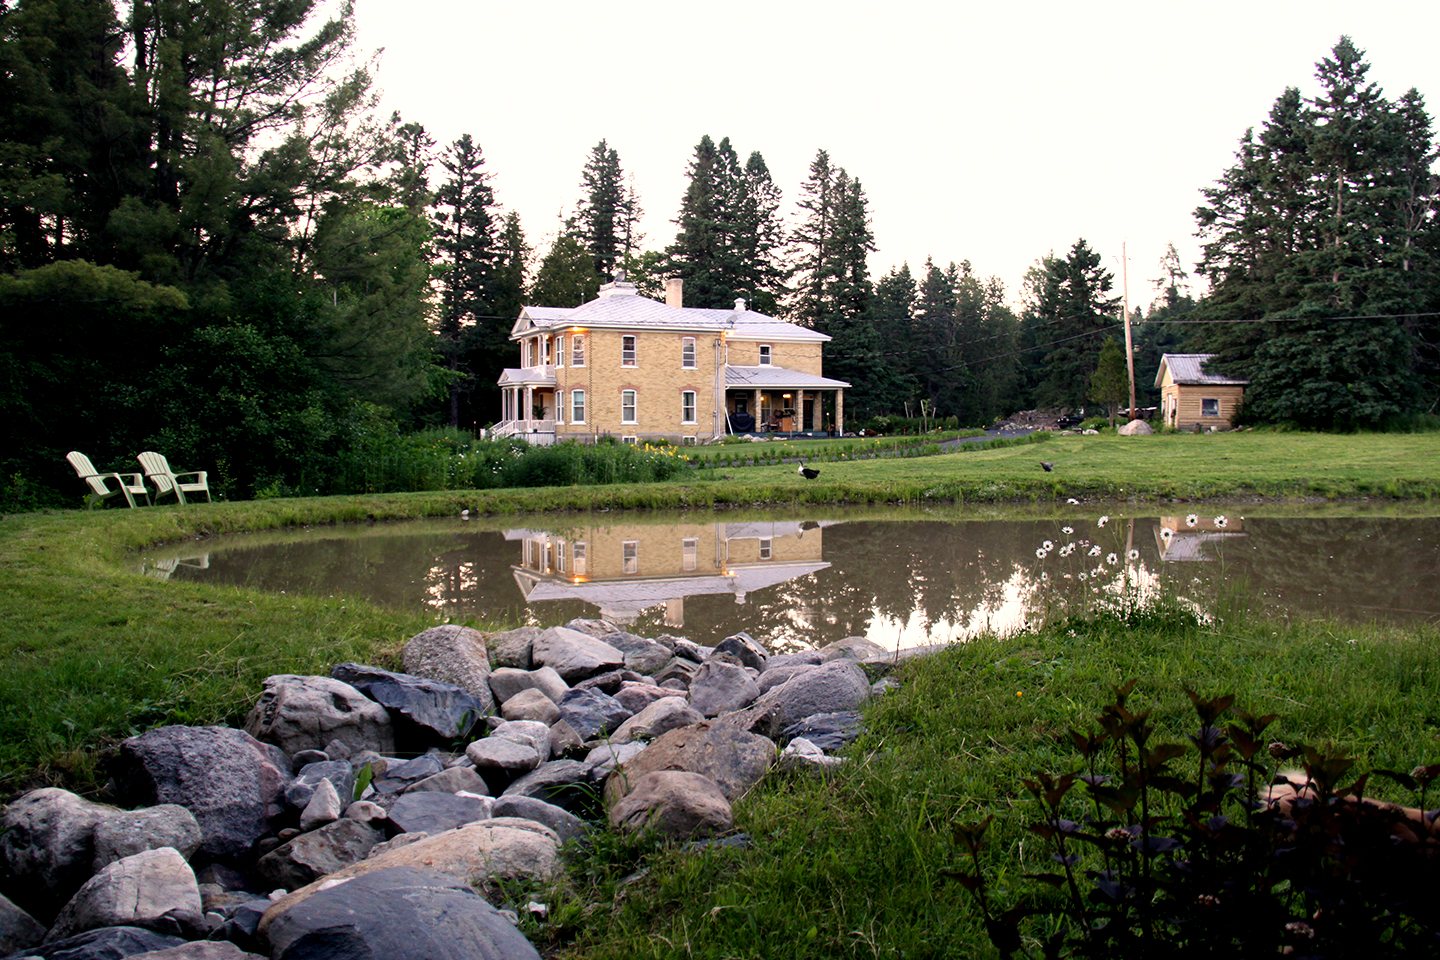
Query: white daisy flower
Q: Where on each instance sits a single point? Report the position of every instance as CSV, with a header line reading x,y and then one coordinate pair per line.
x,y
1095,551
1040,552
1083,576
1048,545
1103,520
1193,519
1166,533
1111,558
1221,522
1067,530
1134,554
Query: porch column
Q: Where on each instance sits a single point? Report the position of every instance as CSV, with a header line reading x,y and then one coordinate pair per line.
x,y
755,410
529,403
800,409
839,412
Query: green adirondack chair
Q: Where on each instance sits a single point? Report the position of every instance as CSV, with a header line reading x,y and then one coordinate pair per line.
x,y
168,481
126,484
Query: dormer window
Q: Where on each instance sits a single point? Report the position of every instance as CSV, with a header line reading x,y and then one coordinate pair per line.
x,y
764,354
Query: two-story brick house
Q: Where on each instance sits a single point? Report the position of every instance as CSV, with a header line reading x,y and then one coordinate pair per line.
x,y
627,366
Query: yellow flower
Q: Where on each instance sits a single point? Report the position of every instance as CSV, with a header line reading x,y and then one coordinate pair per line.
x,y
1019,693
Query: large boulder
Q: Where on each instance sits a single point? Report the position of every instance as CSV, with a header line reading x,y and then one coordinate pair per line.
x,y
1135,428
641,654
833,687
154,889
322,851
734,759
424,710
574,655
401,913
47,846
744,648
231,782
305,713
721,687
592,713
18,929
675,804
851,648
665,714
452,654
105,943
512,648
131,831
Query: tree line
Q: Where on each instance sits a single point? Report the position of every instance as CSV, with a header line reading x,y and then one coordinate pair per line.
x,y
213,244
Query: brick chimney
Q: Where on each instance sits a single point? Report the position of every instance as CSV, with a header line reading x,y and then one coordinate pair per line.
x,y
674,292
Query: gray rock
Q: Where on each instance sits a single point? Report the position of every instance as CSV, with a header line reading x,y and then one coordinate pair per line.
x,y
451,780
231,782
324,807
149,828
734,759
884,685
635,696
802,756
574,655
304,758
513,648
313,855
565,783
608,682
529,732
720,687
499,753
401,776
431,710
777,675
48,847
662,715
591,712
338,773
395,843
154,889
641,655
566,825
200,950
744,648
592,628
530,704
689,650
397,914
1135,428
451,654
19,930
677,669
304,713
563,739
432,813
506,682
827,731
852,648
674,803
609,755
107,943
835,686
365,811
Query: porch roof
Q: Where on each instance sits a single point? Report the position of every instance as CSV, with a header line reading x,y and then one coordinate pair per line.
x,y
527,377
771,377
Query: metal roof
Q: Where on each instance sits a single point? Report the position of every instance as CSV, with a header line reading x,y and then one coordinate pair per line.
x,y
527,376
774,377
1188,369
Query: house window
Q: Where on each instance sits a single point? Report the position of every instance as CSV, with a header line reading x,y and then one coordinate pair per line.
x,y
627,406
687,353
765,545
531,349
577,406
633,441
689,550
764,354
545,349
687,406
1210,407
627,351
577,557
687,441
630,555
560,350
560,556
577,351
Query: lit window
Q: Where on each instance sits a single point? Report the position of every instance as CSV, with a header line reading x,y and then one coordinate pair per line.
x,y
687,406
627,406
577,351
1210,407
627,351
764,354
687,353
631,556
689,550
577,406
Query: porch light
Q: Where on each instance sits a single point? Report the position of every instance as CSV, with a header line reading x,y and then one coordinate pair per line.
x,y
785,395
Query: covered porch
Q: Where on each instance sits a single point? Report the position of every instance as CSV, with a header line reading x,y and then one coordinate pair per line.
x,y
775,400
527,398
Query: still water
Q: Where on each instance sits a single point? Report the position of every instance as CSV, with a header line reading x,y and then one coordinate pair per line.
x,y
899,577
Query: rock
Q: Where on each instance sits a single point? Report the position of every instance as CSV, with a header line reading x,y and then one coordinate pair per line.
x,y
431,812
563,739
513,648
402,913
47,844
154,889
316,854
884,685
506,682
529,732
803,657
802,756
566,825
676,670
530,704
365,811
719,687
665,714
324,807
231,782
565,783
636,696
835,686
641,655
304,713
884,665
734,759
608,682
851,648
826,731
744,648
499,753
1135,428
106,943
498,849
775,676
200,950
423,710
451,654
401,776
338,773
592,713
674,803
451,780
18,929
149,828
396,842
574,655
607,756
689,650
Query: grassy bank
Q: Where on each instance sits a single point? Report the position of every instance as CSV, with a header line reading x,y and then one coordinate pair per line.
x,y
95,650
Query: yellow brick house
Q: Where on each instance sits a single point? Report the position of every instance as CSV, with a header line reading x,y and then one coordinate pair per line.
x,y
627,366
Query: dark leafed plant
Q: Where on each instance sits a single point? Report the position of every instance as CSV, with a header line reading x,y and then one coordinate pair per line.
x,y
1187,850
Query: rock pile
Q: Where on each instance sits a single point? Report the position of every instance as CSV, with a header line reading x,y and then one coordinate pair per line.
x,y
354,809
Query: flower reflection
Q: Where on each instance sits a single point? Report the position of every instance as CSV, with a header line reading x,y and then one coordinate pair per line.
x,y
1192,519
1111,558
1220,522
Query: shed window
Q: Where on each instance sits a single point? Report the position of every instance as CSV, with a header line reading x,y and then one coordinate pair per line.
x,y
1210,407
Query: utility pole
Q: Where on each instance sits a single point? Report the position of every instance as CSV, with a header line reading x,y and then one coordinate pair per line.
x,y
1129,344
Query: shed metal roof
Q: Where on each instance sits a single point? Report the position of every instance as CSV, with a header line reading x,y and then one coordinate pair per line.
x,y
1187,369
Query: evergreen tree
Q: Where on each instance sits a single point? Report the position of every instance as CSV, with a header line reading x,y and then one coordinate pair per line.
x,y
812,272
566,276
601,217
1073,313
1110,383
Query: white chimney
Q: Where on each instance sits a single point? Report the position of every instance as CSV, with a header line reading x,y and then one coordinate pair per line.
x,y
674,292
739,304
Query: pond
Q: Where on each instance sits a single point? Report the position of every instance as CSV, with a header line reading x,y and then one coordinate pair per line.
x,y
900,577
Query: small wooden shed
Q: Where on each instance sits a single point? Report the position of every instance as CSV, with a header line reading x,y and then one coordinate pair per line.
x,y
1189,396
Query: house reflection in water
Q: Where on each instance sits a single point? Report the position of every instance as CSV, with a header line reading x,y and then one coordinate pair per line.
x,y
624,569
1195,537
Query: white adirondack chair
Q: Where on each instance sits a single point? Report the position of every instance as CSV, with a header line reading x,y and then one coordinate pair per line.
x,y
168,481
126,484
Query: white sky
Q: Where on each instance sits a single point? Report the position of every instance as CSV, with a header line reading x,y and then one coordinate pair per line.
x,y
989,131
